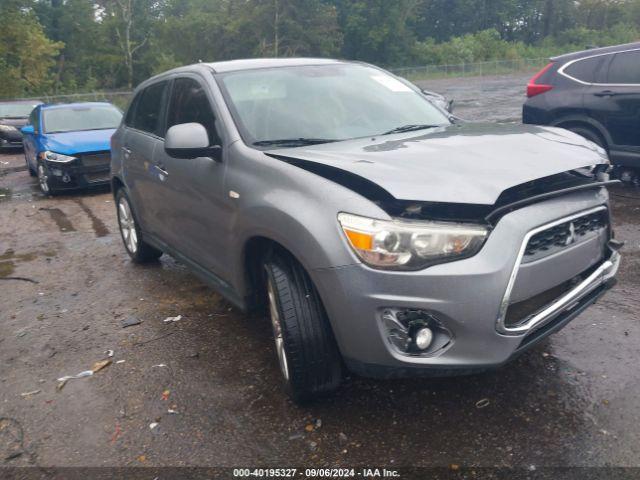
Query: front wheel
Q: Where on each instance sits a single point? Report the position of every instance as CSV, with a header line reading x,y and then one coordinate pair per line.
x,y
307,353
139,250
32,172
44,181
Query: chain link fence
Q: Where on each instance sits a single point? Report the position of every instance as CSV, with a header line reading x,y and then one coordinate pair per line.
x,y
477,69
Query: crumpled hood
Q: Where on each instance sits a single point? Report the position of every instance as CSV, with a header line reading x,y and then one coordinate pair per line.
x,y
463,163
70,143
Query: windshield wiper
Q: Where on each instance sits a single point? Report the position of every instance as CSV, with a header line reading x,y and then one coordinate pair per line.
x,y
293,142
410,128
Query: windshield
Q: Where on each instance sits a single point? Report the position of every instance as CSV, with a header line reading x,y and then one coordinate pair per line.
x,y
73,119
16,110
323,103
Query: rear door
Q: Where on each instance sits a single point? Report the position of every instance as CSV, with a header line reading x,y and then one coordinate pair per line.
x,y
144,134
197,208
623,91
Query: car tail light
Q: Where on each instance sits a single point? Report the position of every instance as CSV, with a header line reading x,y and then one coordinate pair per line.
x,y
534,88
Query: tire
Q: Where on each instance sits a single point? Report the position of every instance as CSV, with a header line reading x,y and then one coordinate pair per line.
x,y
590,134
32,172
309,359
134,244
43,180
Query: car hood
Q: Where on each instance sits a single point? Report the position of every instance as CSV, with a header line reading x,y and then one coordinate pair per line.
x,y
70,143
17,122
462,163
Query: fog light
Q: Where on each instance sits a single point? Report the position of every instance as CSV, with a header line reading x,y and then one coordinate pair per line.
x,y
423,338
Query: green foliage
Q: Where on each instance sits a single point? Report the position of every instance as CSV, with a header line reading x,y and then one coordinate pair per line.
x,y
66,46
26,54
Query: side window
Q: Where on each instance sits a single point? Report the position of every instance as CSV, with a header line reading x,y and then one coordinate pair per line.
x,y
128,120
189,103
586,70
625,69
146,115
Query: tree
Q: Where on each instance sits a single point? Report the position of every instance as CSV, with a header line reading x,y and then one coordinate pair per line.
x,y
26,54
121,16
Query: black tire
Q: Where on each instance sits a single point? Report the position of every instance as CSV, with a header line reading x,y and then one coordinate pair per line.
x,y
589,134
32,172
309,348
139,250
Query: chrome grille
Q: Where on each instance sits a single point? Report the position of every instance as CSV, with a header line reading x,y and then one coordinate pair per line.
x,y
567,233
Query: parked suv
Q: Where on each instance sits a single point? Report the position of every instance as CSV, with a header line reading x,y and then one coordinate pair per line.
x,y
595,93
382,236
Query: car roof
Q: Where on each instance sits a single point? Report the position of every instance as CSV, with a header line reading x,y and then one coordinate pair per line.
x,y
52,106
596,51
255,63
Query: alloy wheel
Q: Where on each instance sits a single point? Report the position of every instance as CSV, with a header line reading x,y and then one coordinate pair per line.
x,y
277,330
43,179
127,226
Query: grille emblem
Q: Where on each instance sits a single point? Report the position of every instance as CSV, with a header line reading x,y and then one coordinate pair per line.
x,y
572,237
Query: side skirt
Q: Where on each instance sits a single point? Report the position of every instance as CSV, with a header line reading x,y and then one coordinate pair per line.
x,y
207,276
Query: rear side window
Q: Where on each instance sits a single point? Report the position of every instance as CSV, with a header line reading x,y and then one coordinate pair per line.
x,y
128,120
586,70
625,69
189,103
147,109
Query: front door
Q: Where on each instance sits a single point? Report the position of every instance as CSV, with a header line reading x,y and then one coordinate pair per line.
x,y
198,211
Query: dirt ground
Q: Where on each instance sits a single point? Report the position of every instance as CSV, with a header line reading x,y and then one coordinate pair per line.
x,y
66,285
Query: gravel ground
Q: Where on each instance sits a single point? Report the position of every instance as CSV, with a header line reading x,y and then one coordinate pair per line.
x,y
489,99
66,285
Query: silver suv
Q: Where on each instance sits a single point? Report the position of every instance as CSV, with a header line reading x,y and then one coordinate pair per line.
x,y
384,235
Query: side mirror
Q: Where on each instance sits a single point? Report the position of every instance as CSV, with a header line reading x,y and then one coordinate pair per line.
x,y
28,129
190,140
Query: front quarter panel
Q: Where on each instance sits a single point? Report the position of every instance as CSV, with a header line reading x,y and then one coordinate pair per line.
x,y
291,206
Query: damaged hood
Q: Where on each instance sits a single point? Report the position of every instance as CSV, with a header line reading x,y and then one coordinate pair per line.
x,y
462,163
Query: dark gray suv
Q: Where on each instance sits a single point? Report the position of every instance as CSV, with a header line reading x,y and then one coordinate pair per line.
x,y
383,235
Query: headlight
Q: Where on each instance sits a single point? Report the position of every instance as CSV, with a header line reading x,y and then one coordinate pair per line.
x,y
410,245
56,157
8,128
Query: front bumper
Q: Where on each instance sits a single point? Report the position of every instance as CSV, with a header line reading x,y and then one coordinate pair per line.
x,y
467,297
76,175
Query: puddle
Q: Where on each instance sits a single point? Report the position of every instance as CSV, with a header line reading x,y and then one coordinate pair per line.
x,y
61,219
98,225
5,194
7,268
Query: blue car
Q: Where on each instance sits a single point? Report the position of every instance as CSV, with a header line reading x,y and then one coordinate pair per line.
x,y
68,146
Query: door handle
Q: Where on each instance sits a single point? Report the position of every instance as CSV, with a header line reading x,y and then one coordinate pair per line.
x,y
605,93
126,152
161,168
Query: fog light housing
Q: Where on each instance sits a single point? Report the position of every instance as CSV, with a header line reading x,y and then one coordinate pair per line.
x,y
423,338
415,332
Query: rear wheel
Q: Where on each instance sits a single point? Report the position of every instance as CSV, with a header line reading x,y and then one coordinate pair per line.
x,y
307,352
137,248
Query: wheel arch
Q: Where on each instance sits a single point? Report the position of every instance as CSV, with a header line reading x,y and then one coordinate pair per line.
x,y
585,122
